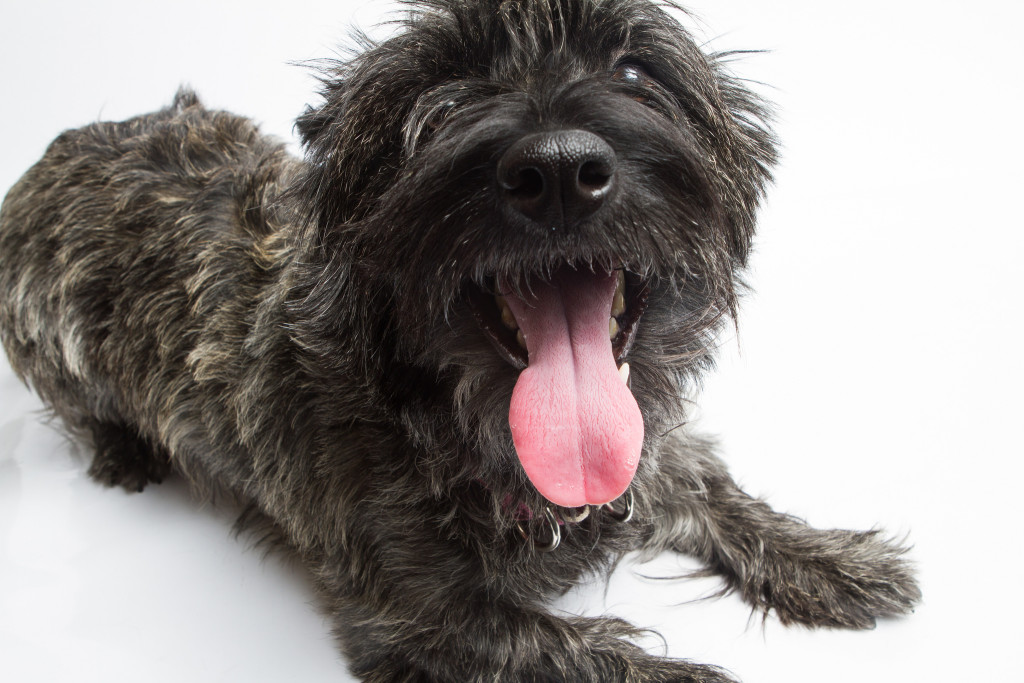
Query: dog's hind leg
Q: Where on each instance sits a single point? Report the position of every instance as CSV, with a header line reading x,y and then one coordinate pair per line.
x,y
124,458
775,561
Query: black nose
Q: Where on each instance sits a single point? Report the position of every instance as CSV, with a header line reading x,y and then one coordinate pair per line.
x,y
557,178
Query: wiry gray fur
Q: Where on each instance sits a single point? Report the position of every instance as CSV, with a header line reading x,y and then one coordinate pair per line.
x,y
297,334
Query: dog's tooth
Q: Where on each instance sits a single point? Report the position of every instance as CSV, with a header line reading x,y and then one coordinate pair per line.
x,y
624,373
507,319
521,339
613,328
619,298
575,515
618,303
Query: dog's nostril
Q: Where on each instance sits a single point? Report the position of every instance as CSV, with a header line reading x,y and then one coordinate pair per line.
x,y
557,178
526,183
594,176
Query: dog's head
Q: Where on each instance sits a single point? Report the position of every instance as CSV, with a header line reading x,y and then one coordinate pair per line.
x,y
563,186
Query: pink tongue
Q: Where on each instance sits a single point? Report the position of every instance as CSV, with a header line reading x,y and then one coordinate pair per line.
x,y
575,425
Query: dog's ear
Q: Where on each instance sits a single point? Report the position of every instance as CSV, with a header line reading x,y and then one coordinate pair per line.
x,y
733,126
345,151
354,138
311,124
753,139
752,155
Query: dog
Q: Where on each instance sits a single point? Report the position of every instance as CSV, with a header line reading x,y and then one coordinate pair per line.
x,y
443,358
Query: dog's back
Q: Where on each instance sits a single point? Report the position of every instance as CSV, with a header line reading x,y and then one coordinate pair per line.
x,y
121,251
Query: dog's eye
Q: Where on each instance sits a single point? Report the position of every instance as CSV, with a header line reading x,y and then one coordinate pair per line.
x,y
438,116
630,74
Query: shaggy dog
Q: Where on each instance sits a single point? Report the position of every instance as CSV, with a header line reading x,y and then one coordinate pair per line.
x,y
443,357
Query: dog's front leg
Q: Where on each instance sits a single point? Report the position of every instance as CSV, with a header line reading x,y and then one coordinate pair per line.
x,y
775,561
426,613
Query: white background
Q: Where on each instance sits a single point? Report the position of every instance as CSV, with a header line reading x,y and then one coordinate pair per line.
x,y
875,380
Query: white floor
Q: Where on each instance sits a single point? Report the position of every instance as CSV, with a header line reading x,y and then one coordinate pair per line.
x,y
877,379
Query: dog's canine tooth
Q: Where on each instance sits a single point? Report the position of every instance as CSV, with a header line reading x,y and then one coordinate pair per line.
x,y
613,328
507,319
619,302
624,373
520,338
619,298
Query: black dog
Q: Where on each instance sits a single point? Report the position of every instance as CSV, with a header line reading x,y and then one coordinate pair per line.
x,y
443,356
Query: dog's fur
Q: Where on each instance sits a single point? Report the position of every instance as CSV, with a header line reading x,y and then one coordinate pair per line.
x,y
297,334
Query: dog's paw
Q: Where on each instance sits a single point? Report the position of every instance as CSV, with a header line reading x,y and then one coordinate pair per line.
x,y
612,655
658,670
840,579
543,649
616,669
124,459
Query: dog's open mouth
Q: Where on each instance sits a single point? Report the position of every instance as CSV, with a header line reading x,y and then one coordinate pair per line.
x,y
498,321
576,427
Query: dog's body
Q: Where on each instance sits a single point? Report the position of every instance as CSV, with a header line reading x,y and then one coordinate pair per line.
x,y
320,340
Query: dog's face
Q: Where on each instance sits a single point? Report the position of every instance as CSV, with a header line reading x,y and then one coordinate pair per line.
x,y
563,186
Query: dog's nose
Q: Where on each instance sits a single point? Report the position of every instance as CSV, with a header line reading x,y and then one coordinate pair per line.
x,y
557,178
